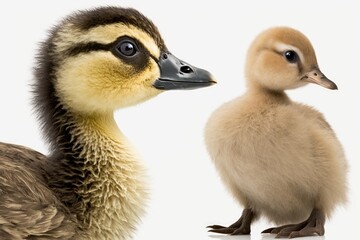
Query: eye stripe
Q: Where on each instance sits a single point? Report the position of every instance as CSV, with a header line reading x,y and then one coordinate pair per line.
x,y
91,46
139,62
88,47
70,38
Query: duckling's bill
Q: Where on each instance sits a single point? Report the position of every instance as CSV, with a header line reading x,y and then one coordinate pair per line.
x,y
177,74
316,76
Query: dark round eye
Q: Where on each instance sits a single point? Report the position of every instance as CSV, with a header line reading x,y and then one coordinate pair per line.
x,y
291,56
127,48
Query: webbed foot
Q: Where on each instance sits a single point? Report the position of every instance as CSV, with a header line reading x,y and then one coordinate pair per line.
x,y
314,225
240,227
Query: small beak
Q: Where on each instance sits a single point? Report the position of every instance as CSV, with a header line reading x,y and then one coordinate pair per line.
x,y
316,76
177,74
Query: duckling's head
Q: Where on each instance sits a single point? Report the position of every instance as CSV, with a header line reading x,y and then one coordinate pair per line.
x,y
283,58
106,58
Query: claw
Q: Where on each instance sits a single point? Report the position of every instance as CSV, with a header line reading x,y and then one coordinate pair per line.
x,y
215,226
269,230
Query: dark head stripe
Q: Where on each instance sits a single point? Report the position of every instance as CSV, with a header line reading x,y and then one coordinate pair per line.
x,y
139,62
88,19
87,47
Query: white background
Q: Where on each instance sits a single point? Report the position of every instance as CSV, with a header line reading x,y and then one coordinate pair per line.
x,y
187,194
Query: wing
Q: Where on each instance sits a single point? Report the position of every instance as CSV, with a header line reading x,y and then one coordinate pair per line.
x,y
28,208
311,113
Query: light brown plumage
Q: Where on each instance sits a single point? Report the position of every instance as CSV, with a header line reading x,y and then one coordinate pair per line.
x,y
92,185
278,158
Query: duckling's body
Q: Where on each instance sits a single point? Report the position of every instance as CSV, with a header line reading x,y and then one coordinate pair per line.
x,y
92,185
27,206
279,158
100,187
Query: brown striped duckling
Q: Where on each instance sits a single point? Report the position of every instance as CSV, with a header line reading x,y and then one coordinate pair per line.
x,y
91,185
279,159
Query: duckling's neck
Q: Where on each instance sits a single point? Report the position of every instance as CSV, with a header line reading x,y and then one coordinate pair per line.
x,y
97,175
266,95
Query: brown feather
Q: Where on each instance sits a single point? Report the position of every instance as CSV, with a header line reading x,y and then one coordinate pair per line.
x,y
28,208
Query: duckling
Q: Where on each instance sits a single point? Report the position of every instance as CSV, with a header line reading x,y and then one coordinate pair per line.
x,y
279,158
92,184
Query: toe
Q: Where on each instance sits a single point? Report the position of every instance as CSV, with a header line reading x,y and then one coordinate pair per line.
x,y
215,226
223,230
269,230
274,230
282,234
295,234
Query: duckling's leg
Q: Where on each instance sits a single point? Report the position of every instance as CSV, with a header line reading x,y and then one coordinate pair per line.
x,y
240,227
312,226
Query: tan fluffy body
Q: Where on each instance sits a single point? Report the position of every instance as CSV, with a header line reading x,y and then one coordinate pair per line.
x,y
278,157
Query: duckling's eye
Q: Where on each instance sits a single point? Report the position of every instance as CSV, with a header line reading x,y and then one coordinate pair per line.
x,y
130,51
127,48
291,56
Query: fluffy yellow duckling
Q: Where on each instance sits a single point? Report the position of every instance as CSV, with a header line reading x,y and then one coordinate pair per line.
x,y
91,185
278,158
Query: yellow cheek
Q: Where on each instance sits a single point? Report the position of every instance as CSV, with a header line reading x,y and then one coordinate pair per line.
x,y
99,82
